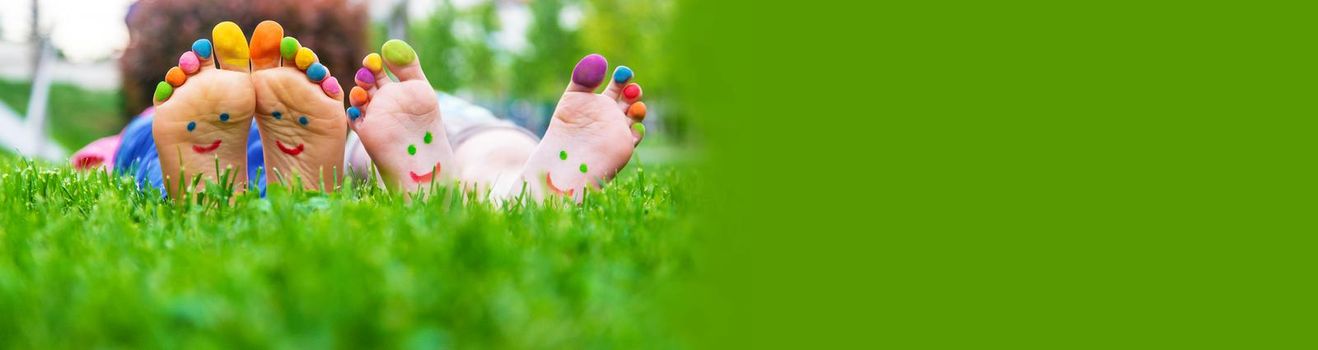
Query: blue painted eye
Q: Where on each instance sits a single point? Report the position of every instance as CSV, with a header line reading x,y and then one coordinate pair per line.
x,y
278,115
192,125
224,117
303,120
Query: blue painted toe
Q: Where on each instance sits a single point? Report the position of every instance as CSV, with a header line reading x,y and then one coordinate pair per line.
x,y
317,72
622,74
202,48
354,113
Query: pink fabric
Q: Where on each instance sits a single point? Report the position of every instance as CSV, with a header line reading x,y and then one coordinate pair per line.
x,y
98,154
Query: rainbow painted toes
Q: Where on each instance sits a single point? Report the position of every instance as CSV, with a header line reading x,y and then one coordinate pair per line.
x,y
591,136
203,114
399,121
299,110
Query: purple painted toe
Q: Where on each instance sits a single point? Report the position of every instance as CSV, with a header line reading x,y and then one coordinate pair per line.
x,y
365,77
590,71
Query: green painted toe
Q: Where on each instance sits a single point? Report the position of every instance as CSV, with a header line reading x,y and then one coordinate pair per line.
x,y
288,48
398,52
163,91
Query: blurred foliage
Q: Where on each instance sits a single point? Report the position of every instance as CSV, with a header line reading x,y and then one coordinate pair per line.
x,y
542,71
75,116
161,30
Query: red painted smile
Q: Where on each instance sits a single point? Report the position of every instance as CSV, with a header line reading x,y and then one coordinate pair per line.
x,y
549,181
206,149
424,178
291,151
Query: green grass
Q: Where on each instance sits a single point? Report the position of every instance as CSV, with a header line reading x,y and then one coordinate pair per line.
x,y
89,261
75,116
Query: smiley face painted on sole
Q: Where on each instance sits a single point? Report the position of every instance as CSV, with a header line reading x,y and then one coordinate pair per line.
x,y
290,148
213,145
428,175
570,191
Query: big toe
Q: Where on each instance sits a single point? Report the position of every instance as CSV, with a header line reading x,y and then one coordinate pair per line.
x,y
402,60
265,47
588,74
231,47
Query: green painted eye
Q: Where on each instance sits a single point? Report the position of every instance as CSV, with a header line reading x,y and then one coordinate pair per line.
x,y
428,138
583,168
562,155
411,149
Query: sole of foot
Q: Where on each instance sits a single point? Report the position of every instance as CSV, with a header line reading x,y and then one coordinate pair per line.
x,y
299,111
399,121
591,135
203,113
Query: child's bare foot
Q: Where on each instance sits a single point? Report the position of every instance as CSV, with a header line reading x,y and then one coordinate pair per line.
x,y
399,122
591,136
299,110
204,114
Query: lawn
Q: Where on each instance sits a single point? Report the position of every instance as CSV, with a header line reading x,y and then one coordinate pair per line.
x,y
75,116
88,261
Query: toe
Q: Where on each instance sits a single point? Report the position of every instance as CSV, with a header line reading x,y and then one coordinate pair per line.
x,y
638,133
358,97
364,78
288,48
163,92
266,45
304,58
588,74
353,114
175,77
636,111
332,88
231,47
317,72
621,76
401,60
631,93
203,49
189,62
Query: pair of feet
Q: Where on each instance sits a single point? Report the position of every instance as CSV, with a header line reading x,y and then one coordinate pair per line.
x,y
203,114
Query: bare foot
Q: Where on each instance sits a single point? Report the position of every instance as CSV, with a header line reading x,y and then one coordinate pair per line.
x,y
299,110
399,122
591,136
204,114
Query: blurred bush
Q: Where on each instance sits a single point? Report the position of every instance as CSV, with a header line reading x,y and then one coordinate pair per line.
x,y
161,30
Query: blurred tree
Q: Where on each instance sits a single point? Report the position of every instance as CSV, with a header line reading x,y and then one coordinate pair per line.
x,y
479,53
540,72
437,48
160,30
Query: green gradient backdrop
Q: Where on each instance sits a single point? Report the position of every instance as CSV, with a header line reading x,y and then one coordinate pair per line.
x,y
1018,175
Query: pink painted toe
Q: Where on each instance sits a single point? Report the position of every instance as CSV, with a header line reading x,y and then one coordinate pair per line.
x,y
331,87
189,62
